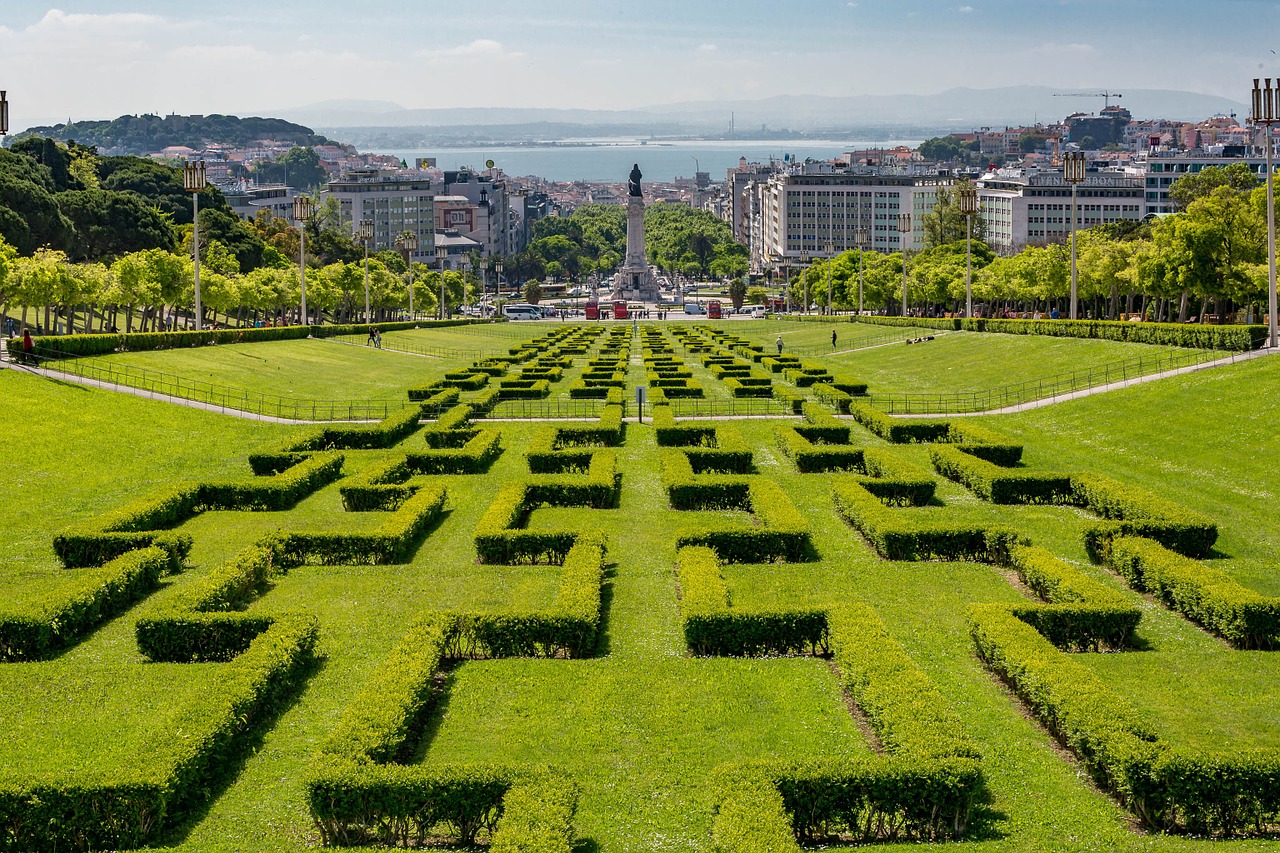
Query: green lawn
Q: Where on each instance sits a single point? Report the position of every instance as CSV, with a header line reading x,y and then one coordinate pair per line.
x,y
641,724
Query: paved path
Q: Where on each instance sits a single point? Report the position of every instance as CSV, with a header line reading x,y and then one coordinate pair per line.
x,y
1234,358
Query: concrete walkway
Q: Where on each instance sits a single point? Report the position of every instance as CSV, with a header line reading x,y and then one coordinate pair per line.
x,y
1234,358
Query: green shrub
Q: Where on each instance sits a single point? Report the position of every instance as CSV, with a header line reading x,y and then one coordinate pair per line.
x,y
60,618
1000,485
394,541
169,777
897,538
1082,613
1204,594
1237,338
811,459
898,430
712,628
1132,511
782,535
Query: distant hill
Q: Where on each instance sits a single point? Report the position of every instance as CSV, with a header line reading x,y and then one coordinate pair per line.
x,y
954,109
144,134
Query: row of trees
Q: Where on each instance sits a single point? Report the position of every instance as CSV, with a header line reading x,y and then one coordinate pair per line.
x,y
155,289
1208,259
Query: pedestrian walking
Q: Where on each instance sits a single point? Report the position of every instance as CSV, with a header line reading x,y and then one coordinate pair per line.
x,y
833,338
779,342
28,348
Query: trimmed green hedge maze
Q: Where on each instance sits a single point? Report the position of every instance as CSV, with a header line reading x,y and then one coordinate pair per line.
x,y
452,630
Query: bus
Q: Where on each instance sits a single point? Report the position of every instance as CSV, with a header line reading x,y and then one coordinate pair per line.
x,y
713,309
593,310
619,310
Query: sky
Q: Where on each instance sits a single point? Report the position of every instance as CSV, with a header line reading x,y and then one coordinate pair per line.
x,y
105,59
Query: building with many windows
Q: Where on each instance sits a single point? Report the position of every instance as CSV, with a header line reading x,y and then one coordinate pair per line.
x,y
395,202
1160,169
1032,208
796,216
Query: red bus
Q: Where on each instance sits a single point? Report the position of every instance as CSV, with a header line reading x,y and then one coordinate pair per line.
x,y
593,310
619,310
713,309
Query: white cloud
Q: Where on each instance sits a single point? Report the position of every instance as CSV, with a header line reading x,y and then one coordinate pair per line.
x,y
965,9
486,49
707,48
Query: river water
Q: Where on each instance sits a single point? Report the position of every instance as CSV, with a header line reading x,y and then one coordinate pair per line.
x,y
611,159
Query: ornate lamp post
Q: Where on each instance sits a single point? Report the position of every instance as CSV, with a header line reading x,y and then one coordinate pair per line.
x,y
904,228
805,258
408,243
442,259
497,284
484,276
831,252
1266,106
302,215
967,196
4,113
365,235
860,237
193,182
1073,173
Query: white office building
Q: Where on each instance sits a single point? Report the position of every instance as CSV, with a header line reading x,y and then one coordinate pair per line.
x,y
395,202
1025,207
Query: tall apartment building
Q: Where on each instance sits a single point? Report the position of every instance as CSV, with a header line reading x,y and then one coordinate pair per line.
x,y
1159,169
396,202
795,215
1029,208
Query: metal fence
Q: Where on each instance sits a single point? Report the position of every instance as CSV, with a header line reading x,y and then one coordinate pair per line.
x,y
399,345
221,397
1040,389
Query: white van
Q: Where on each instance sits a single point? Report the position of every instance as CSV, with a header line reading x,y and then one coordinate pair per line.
x,y
522,312
757,312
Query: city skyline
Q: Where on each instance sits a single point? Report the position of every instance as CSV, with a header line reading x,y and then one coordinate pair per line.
x,y
152,57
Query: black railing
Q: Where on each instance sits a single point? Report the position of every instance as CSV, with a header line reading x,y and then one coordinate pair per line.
x,y
221,397
1041,389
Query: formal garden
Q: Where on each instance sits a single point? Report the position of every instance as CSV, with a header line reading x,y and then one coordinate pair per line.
x,y
784,605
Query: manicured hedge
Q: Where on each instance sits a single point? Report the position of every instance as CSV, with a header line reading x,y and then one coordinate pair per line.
x,y
55,346
569,629
1000,485
60,618
387,432
898,430
1082,614
170,777
1204,594
895,537
1202,793
781,536
711,627
815,459
137,524
744,387
1237,338
498,538
1132,511
393,541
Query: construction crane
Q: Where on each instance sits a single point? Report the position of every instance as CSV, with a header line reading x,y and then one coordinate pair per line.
x,y
1106,96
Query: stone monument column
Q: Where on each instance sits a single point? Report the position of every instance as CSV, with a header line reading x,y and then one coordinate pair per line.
x,y
633,280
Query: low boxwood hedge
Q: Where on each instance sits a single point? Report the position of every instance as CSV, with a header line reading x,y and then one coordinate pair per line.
x,y
1000,485
895,537
1204,594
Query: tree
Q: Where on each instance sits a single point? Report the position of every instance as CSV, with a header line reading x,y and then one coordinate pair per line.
x,y
757,295
1197,185
946,224
737,292
532,291
107,224
299,167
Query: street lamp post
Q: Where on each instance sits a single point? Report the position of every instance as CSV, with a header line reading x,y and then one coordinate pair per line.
x,y
193,182
860,237
967,195
365,235
4,113
497,285
442,257
302,215
484,277
904,229
831,256
408,243
1073,173
805,258
1265,112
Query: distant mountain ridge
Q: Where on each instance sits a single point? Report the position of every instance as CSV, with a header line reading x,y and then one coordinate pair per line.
x,y
956,109
146,133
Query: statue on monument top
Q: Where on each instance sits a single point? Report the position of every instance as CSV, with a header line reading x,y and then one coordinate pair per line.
x,y
633,181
